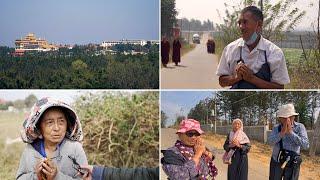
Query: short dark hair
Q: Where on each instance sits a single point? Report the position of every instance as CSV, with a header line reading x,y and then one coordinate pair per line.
x,y
255,11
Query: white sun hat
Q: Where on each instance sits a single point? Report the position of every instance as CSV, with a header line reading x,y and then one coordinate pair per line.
x,y
286,111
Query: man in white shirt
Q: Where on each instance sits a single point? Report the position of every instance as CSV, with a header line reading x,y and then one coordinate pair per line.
x,y
252,62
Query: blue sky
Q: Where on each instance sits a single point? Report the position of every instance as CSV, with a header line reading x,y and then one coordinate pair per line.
x,y
79,21
175,103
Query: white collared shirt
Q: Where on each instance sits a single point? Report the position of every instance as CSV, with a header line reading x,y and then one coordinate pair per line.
x,y
255,59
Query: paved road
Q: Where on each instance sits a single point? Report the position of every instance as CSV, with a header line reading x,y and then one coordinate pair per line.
x,y
196,71
257,170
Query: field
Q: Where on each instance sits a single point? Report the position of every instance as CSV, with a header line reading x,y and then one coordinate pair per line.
x,y
292,55
10,124
308,76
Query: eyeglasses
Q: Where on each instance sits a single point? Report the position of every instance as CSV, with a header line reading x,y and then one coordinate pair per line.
x,y
76,166
191,134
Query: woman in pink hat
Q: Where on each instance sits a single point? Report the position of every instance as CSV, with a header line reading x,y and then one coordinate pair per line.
x,y
189,158
237,145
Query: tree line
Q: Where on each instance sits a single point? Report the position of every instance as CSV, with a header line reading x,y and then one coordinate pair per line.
x,y
195,25
20,104
256,108
79,68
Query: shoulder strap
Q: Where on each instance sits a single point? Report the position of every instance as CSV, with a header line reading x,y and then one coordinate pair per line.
x,y
281,143
240,60
265,56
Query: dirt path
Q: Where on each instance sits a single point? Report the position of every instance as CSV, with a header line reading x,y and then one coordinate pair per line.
x,y
259,157
196,71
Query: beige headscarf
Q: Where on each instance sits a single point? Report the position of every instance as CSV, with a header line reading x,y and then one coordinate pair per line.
x,y
239,134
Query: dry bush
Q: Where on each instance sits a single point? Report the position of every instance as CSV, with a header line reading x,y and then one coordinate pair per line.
x,y
120,129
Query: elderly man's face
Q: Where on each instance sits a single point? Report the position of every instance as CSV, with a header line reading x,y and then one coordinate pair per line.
x,y
189,138
53,126
248,24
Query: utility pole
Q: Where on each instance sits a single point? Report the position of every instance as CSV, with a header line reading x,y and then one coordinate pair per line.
x,y
261,5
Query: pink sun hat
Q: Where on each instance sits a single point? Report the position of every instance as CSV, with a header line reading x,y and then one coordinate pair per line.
x,y
188,125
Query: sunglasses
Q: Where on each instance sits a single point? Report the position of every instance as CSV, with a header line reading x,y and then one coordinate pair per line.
x,y
76,166
191,134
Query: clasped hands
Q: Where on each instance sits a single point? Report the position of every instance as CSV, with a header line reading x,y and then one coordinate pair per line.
x,y
243,72
286,127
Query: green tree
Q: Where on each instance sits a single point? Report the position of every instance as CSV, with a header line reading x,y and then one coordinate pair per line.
x,y
19,104
179,118
164,119
168,16
79,65
30,100
278,18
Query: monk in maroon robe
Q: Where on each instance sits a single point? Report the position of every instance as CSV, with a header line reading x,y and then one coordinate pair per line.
x,y
176,51
165,50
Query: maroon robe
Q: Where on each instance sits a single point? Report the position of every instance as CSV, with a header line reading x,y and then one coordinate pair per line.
x,y
165,49
176,51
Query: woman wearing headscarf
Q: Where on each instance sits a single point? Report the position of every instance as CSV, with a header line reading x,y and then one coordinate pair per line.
x,y
53,133
237,145
189,158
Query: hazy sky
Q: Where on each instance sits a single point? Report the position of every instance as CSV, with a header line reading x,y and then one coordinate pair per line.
x,y
79,21
67,96
175,103
207,9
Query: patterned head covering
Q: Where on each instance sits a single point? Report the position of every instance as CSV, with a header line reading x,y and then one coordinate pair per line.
x,y
30,132
188,125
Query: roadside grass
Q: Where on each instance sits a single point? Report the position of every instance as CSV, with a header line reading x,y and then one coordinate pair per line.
x,y
303,74
292,55
10,124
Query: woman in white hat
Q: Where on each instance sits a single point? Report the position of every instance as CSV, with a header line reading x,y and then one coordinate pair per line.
x,y
189,158
287,139
53,133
